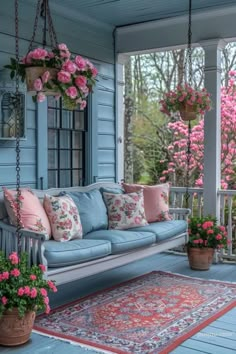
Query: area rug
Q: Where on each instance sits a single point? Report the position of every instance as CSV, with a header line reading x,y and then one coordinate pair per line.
x,y
153,313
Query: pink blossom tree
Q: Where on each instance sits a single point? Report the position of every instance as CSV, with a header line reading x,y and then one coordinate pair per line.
x,y
177,164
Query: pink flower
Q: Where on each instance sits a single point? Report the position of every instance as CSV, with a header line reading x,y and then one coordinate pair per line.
x,y
52,286
94,72
15,272
38,85
40,97
219,237
42,267
43,292
83,104
33,293
62,46
38,54
45,77
71,92
69,66
47,309
64,77
4,300
14,258
33,277
207,224
46,300
20,292
80,62
5,275
196,241
27,290
81,81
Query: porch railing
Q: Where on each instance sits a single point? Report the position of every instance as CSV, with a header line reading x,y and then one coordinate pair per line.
x,y
227,211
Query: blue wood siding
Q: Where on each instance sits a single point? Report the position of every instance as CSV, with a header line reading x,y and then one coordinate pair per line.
x,y
90,39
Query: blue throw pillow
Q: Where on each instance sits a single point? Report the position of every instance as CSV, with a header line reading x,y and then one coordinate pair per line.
x,y
92,210
112,190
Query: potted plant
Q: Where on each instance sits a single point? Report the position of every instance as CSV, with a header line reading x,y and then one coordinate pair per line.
x,y
56,73
204,237
187,101
23,291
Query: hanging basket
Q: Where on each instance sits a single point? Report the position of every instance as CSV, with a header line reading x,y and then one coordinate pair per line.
x,y
35,72
187,112
15,330
200,258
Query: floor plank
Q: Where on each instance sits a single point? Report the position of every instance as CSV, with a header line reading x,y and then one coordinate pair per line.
x,y
202,343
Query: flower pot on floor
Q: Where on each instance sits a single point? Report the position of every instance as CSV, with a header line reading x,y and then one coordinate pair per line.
x,y
15,330
200,258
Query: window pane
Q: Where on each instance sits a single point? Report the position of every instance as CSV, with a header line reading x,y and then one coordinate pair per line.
x,y
52,159
65,140
65,178
67,120
52,102
65,158
77,178
52,139
77,159
52,179
79,120
52,118
77,140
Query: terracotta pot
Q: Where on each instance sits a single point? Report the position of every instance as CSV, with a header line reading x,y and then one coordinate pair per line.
x,y
33,73
200,258
187,112
15,330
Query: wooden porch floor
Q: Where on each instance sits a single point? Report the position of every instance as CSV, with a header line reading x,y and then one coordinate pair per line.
x,y
217,338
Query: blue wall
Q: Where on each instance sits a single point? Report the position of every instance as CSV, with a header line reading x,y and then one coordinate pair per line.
x,y
92,40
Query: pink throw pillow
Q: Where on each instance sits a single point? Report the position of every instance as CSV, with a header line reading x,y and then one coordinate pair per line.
x,y
125,210
32,213
64,217
155,200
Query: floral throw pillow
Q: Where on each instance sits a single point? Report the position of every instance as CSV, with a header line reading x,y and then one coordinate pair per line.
x,y
125,210
64,217
156,200
32,213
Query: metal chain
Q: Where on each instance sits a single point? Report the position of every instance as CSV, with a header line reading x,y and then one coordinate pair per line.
x,y
52,33
189,59
17,117
35,25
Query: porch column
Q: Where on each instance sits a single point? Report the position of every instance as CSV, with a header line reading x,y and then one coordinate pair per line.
x,y
212,128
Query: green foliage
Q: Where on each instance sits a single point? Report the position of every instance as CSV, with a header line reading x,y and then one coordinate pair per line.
x,y
21,286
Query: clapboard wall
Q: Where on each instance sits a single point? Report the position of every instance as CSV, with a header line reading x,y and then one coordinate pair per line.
x,y
90,39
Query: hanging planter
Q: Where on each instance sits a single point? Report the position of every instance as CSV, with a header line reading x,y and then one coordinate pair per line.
x,y
187,112
54,72
33,73
188,102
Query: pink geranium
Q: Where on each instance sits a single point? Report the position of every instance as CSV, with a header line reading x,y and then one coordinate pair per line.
x,y
64,76
14,258
81,81
71,92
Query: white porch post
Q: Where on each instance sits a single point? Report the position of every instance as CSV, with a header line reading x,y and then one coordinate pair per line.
x,y
212,129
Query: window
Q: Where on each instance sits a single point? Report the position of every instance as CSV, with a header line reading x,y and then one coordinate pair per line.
x,y
66,145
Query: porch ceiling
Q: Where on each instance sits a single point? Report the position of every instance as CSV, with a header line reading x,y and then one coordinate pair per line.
x,y
118,13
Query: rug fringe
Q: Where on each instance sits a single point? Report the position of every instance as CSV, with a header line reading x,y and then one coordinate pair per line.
x,y
81,345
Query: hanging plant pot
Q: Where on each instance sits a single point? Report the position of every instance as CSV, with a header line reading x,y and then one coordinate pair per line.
x,y
200,258
187,112
15,330
34,72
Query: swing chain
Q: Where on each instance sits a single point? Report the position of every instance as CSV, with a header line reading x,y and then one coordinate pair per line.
x,y
17,118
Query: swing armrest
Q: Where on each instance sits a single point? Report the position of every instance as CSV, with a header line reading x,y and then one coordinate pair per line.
x,y
180,213
32,242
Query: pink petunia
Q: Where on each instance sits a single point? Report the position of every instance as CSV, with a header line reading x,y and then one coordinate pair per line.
x,y
27,290
33,293
71,92
64,77
69,66
15,272
80,62
81,81
14,258
20,292
33,277
43,292
4,300
38,85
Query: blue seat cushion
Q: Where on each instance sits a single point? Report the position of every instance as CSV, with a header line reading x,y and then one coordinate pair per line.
x,y
62,254
122,240
163,229
92,210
